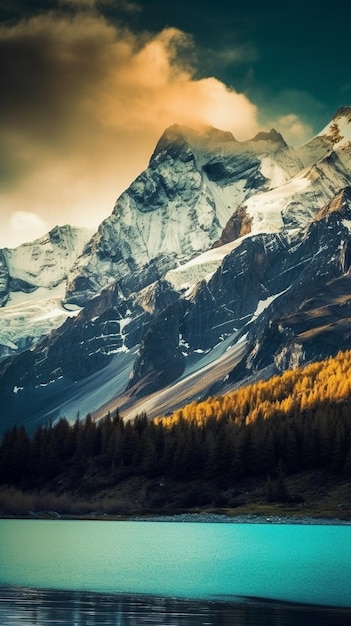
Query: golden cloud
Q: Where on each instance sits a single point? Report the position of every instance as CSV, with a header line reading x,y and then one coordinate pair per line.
x,y
293,129
83,104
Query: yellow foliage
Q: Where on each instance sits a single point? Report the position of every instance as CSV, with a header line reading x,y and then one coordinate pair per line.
x,y
299,389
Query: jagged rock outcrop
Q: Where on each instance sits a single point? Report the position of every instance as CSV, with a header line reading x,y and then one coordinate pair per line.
x,y
160,359
237,226
341,203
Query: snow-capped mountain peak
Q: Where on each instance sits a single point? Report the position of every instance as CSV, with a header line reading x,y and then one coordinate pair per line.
x,y
338,131
206,139
179,205
46,261
32,284
272,136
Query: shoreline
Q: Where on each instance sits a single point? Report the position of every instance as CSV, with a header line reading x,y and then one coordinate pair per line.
x,y
322,499
190,517
211,518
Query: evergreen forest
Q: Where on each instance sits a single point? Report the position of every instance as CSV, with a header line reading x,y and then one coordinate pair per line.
x,y
199,456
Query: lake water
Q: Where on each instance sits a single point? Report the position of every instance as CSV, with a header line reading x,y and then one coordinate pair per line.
x,y
82,573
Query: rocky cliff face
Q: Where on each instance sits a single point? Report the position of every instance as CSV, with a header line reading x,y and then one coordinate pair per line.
x,y
267,277
178,206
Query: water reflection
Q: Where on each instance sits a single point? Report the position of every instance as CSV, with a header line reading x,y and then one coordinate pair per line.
x,y
38,607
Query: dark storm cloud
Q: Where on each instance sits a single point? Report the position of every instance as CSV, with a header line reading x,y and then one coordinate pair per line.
x,y
48,67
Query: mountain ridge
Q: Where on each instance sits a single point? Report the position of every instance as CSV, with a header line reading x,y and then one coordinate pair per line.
x,y
202,265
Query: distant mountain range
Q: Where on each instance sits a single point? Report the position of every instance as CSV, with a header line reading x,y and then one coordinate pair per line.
x,y
222,263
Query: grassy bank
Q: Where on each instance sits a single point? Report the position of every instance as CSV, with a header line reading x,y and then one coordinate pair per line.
x,y
313,494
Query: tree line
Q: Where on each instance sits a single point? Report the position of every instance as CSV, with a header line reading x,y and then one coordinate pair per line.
x,y
298,421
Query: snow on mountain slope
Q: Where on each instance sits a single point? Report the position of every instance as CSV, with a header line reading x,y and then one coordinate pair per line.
x,y
338,131
294,203
265,210
179,205
334,135
45,262
314,150
198,377
201,267
35,275
259,271
28,317
87,395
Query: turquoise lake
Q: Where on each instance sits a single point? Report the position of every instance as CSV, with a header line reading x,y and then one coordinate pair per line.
x,y
147,566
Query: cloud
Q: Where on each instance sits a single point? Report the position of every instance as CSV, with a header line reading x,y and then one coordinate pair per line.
x,y
80,4
228,55
26,226
60,72
154,84
83,104
124,6
294,130
296,114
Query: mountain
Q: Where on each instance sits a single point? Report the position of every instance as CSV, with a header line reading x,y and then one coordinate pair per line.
x,y
32,284
172,211
222,263
178,206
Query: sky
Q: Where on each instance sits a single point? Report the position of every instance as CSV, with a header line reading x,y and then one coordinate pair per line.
x,y
87,87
